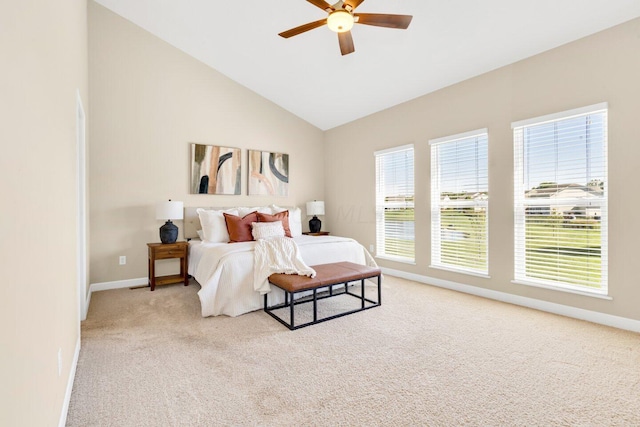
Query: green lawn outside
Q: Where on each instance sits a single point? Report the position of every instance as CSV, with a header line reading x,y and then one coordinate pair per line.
x,y
406,214
399,247
556,250
463,236
574,248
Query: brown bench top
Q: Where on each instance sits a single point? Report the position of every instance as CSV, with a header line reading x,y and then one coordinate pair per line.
x,y
326,274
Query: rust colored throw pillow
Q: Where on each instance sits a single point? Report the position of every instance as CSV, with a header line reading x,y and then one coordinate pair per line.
x,y
240,228
280,216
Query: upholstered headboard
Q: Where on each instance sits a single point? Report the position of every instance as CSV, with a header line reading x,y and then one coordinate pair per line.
x,y
192,222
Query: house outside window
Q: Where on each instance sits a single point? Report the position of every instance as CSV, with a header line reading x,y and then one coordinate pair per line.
x,y
561,200
459,202
395,225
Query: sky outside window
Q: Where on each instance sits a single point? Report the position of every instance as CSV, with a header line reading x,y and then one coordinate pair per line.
x,y
577,157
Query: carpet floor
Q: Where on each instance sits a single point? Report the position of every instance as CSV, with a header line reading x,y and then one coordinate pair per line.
x,y
426,357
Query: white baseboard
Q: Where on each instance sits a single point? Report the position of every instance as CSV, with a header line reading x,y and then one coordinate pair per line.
x,y
72,377
86,305
118,284
550,307
105,286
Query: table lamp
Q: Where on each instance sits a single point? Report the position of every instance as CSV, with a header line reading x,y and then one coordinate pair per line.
x,y
169,210
315,208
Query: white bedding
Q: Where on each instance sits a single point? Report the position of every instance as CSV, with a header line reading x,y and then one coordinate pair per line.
x,y
225,271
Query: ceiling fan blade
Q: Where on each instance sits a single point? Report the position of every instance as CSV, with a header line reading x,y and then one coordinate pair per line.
x,y
346,43
322,5
353,3
384,20
302,28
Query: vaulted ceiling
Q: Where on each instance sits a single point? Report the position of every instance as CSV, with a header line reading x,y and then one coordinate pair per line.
x,y
448,41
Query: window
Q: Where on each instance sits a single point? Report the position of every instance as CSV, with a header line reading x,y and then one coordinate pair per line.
x,y
561,200
395,226
459,201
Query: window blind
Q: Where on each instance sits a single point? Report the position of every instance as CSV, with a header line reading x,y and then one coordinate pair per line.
x,y
459,202
395,225
561,200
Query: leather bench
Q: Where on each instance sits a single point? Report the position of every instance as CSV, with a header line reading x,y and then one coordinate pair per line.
x,y
327,276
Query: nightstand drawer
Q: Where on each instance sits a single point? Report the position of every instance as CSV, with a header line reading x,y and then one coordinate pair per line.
x,y
170,251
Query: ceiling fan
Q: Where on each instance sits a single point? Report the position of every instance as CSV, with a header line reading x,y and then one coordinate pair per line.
x,y
341,19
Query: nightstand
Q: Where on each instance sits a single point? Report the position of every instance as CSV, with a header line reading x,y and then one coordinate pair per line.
x,y
319,233
168,251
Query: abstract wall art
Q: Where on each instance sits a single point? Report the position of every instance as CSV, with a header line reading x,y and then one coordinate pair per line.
x,y
268,173
215,169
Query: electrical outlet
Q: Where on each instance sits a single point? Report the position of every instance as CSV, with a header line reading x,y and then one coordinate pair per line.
x,y
59,361
123,259
371,247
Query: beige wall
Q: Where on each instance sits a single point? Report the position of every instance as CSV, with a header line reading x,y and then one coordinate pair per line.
x,y
602,67
148,102
44,64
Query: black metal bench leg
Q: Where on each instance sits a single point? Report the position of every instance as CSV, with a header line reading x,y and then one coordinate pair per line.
x,y
315,305
291,308
379,289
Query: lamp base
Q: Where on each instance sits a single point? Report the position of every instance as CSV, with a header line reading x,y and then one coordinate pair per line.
x,y
315,224
168,232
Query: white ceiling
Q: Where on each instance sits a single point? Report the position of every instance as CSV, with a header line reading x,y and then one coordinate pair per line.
x,y
448,41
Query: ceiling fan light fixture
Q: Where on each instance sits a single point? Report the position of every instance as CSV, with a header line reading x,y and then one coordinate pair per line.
x,y
340,21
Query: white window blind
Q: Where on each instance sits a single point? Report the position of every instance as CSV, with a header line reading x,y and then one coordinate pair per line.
x,y
395,226
459,202
561,200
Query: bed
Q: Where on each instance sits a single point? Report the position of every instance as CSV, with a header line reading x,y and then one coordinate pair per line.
x,y
225,270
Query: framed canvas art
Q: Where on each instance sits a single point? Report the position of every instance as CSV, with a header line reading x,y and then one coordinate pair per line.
x,y
268,173
215,169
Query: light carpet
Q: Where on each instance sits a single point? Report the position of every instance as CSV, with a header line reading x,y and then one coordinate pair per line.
x,y
426,357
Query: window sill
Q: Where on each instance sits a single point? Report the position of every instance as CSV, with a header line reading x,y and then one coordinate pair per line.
x,y
456,270
593,294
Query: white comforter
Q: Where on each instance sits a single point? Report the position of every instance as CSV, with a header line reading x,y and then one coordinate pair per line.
x,y
226,271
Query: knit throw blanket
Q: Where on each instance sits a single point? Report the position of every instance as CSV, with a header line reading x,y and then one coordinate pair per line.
x,y
277,255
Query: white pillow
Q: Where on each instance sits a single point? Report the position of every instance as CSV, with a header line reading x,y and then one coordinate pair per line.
x,y
267,230
295,219
242,211
213,224
200,234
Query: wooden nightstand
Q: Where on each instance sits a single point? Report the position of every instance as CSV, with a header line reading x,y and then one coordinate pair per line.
x,y
319,233
167,251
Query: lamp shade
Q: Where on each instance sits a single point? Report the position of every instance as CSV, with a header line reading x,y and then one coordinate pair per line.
x,y
169,210
315,208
